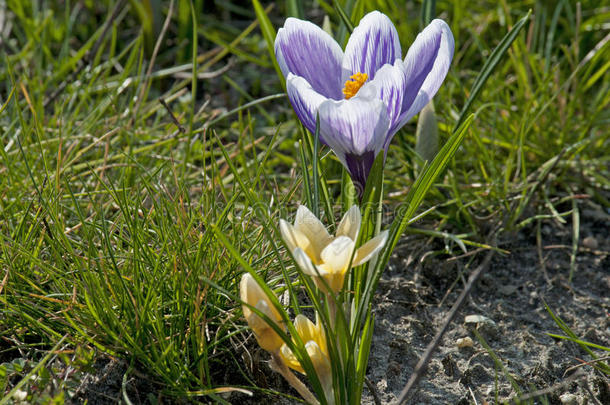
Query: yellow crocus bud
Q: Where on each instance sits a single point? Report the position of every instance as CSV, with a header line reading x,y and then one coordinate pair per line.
x,y
252,294
314,339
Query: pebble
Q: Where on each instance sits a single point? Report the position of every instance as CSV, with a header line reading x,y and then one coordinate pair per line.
x,y
507,289
590,243
568,399
487,327
464,342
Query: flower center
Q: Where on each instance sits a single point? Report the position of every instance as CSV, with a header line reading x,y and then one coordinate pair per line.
x,y
353,85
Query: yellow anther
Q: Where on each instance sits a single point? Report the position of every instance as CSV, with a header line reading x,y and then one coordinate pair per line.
x,y
353,85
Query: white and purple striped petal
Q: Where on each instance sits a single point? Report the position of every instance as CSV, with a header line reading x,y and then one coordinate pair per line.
x,y
389,85
426,66
373,43
355,130
305,100
305,50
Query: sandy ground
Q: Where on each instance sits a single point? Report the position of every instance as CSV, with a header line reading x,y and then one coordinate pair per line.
x,y
412,305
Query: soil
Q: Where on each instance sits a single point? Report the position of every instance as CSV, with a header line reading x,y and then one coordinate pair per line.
x,y
417,291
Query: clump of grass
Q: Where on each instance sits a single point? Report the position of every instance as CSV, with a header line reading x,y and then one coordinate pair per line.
x,y
108,205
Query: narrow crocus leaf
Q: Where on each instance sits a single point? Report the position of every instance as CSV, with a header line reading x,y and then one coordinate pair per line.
x,y
295,8
358,10
424,182
343,15
364,351
414,197
428,11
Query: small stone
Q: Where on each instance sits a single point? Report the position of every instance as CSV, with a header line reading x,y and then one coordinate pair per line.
x,y
590,243
546,230
476,375
464,342
478,319
20,396
568,399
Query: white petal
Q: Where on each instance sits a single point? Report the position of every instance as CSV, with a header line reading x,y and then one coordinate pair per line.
x,y
389,85
338,254
256,322
293,237
305,328
426,66
319,359
304,262
350,224
252,294
356,130
370,248
249,291
307,223
354,126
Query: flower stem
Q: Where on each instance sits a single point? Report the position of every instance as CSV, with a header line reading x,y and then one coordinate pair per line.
x,y
332,309
278,366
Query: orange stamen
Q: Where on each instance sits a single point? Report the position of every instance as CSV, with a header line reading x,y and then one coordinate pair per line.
x,y
353,85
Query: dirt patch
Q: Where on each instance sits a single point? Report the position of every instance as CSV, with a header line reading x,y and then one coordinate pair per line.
x,y
415,295
108,384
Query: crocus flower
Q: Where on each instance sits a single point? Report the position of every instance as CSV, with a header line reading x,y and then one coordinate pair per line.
x,y
313,337
252,294
367,93
321,255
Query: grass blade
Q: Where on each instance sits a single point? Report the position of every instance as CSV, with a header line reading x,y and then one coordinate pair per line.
x,y
344,18
491,63
428,12
269,35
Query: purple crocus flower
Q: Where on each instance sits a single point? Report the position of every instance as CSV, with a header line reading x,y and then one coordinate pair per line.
x,y
367,93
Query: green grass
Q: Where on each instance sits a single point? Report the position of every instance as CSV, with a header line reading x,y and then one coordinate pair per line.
x,y
108,209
